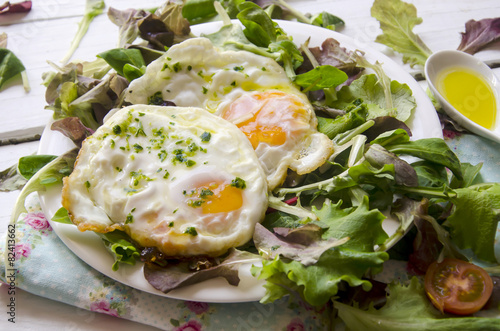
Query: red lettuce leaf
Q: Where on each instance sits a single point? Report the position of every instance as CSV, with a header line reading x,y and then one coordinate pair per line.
x,y
175,275
10,8
480,34
302,244
72,128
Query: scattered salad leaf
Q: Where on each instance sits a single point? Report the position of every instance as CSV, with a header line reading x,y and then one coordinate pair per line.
x,y
480,34
93,8
397,20
18,7
10,67
11,179
322,19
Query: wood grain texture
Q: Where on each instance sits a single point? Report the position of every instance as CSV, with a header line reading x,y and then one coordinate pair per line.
x,y
46,33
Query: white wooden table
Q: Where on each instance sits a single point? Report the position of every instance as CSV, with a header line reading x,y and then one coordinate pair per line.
x,y
45,34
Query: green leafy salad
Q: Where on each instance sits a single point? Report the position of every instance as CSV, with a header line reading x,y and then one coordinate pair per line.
x,y
322,239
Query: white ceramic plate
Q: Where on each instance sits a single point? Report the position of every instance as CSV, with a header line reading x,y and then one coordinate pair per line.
x,y
87,246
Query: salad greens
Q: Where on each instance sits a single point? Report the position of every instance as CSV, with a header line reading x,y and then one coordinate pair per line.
x,y
407,308
323,236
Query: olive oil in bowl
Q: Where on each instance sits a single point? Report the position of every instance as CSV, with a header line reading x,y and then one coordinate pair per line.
x,y
468,91
470,94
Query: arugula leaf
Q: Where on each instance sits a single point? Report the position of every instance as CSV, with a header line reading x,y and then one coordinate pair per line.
x,y
259,28
475,218
93,8
10,67
431,149
397,20
480,34
408,308
430,174
334,126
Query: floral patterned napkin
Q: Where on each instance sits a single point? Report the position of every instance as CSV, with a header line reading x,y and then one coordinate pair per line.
x,y
46,267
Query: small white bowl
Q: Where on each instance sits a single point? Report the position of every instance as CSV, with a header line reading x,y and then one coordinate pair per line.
x,y
446,59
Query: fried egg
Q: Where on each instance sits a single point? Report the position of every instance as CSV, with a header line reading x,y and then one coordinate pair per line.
x,y
179,179
249,90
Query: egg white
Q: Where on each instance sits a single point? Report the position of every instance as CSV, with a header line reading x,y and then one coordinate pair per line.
x,y
131,175
195,73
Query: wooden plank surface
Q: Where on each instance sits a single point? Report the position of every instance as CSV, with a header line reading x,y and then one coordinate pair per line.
x,y
46,33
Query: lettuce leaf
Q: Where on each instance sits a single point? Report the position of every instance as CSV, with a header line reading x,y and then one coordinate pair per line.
x,y
317,283
175,275
349,262
397,20
408,308
372,93
474,221
480,34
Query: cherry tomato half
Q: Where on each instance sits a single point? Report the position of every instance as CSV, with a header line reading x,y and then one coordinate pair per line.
x,y
457,287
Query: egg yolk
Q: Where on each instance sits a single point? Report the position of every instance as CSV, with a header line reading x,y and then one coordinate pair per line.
x,y
216,197
267,117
